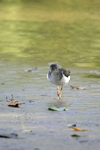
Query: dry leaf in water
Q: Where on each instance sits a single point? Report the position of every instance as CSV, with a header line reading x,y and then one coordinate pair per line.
x,y
79,129
53,108
78,87
69,125
13,104
12,135
75,135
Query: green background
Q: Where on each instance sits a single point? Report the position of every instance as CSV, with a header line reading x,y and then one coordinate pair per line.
x,y
42,31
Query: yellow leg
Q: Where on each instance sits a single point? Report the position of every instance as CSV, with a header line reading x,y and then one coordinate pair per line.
x,y
60,92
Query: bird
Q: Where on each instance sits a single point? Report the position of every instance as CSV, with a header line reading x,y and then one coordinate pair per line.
x,y
59,77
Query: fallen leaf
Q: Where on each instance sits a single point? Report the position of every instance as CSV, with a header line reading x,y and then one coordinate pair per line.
x,y
78,87
69,125
12,135
83,141
27,130
79,129
13,104
53,108
75,135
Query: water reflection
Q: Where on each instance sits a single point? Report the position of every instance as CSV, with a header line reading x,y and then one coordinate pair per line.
x,y
31,32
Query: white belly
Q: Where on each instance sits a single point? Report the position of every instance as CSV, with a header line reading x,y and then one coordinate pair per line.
x,y
55,80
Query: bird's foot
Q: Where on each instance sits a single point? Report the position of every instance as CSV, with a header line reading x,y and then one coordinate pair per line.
x,y
57,98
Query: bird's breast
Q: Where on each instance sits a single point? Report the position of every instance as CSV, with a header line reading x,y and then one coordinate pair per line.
x,y
54,78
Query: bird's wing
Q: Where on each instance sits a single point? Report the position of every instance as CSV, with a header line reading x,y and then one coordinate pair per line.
x,y
65,72
48,75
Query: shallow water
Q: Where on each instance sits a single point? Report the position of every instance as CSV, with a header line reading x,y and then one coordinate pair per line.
x,y
49,127
34,34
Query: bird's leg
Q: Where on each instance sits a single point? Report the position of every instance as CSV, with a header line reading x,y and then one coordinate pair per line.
x,y
60,92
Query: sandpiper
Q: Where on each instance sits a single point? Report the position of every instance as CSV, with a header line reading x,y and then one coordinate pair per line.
x,y
59,77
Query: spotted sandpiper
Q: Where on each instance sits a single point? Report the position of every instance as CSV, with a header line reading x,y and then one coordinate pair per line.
x,y
59,77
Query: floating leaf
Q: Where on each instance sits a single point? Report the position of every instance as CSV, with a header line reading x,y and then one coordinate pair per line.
x,y
75,135
78,87
83,141
69,125
12,135
79,129
27,130
53,108
72,125
13,104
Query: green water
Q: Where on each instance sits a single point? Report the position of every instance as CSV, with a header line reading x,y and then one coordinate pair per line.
x,y
64,31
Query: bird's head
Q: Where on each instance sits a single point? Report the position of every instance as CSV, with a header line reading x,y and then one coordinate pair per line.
x,y
53,67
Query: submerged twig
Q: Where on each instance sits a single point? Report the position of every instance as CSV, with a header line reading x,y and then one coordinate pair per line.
x,y
24,130
68,105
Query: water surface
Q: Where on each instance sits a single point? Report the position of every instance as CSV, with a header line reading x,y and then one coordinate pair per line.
x,y
36,34
41,32
49,128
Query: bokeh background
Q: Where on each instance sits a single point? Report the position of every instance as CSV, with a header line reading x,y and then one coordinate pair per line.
x,y
43,31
